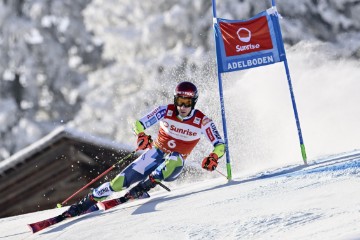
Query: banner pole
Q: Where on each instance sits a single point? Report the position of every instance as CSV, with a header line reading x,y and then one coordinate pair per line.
x,y
302,145
228,165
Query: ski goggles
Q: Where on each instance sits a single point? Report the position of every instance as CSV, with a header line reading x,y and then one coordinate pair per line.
x,y
186,102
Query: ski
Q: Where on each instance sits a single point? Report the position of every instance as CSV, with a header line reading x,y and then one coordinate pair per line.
x,y
104,205
38,226
113,203
107,204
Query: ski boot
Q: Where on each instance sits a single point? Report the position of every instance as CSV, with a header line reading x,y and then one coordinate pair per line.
x,y
141,189
80,207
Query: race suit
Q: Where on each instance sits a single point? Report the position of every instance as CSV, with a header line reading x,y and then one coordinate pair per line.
x,y
176,138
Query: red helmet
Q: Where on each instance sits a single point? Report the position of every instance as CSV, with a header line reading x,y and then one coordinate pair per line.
x,y
186,90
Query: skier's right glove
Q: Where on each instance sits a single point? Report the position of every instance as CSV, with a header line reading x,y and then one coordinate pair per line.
x,y
144,141
210,163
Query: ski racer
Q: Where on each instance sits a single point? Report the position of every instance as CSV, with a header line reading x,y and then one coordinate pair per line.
x,y
181,126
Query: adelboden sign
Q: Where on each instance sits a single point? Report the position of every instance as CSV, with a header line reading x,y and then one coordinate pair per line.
x,y
246,44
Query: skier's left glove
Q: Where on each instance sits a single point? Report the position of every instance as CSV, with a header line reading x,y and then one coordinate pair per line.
x,y
210,163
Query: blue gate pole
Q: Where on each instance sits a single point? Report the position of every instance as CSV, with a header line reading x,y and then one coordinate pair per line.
x,y
302,145
228,165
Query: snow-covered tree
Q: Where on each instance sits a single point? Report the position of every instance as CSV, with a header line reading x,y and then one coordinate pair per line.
x,y
155,45
101,64
46,53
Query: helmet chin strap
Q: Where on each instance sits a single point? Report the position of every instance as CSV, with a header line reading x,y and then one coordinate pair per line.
x,y
180,117
178,114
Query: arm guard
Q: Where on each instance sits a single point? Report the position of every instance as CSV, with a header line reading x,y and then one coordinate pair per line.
x,y
138,127
219,149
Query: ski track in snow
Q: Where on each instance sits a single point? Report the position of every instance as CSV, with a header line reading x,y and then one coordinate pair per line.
x,y
317,201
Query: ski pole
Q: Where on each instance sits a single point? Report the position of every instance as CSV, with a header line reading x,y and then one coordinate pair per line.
x,y
97,178
164,186
221,173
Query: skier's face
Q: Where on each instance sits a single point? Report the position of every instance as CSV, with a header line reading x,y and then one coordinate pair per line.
x,y
183,106
183,111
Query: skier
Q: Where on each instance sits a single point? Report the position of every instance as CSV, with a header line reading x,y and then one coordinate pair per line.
x,y
181,126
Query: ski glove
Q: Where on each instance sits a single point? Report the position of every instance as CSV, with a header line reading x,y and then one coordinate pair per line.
x,y
144,141
210,163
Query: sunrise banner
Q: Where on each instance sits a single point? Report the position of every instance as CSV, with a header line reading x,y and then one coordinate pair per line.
x,y
243,44
249,43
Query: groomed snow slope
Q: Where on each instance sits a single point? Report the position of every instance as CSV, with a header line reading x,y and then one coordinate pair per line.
x,y
318,201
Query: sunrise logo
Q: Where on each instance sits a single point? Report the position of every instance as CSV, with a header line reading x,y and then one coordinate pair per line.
x,y
244,34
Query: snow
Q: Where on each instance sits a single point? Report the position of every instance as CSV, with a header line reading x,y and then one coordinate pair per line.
x,y
317,201
8,75
33,37
294,202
